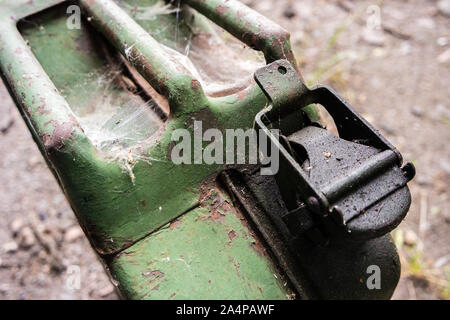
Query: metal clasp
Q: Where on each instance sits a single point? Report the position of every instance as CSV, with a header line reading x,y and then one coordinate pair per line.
x,y
355,179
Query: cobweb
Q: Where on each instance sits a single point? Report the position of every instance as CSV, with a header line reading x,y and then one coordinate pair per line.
x,y
220,62
116,121
119,121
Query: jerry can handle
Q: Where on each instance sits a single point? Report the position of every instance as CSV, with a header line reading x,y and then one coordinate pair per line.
x,y
250,27
167,75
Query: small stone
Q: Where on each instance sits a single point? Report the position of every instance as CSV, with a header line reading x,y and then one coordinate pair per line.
x,y
42,216
442,41
387,129
379,52
435,210
289,12
6,120
73,233
444,57
327,155
26,238
418,112
444,7
373,37
16,226
368,117
106,291
10,247
34,161
442,261
445,166
410,238
405,48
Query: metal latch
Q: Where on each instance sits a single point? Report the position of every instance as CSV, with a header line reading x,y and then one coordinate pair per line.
x,y
355,179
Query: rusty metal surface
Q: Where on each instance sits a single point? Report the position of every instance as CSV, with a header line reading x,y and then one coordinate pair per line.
x,y
259,199
334,271
209,253
249,26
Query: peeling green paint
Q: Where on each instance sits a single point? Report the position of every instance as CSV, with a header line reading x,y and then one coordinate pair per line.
x,y
217,260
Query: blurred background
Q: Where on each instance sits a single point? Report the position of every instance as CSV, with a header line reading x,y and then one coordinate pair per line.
x,y
389,59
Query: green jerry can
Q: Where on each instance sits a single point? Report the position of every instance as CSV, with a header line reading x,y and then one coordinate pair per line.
x,y
135,104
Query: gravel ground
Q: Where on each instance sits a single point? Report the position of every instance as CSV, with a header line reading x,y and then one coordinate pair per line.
x,y
389,59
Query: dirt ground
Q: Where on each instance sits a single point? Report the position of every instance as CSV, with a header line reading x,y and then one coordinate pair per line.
x,y
389,59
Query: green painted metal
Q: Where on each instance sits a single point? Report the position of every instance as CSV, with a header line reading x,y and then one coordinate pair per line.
x,y
53,73
167,75
160,268
249,26
109,205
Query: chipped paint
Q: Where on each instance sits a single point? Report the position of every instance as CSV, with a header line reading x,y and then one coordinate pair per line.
x,y
205,261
